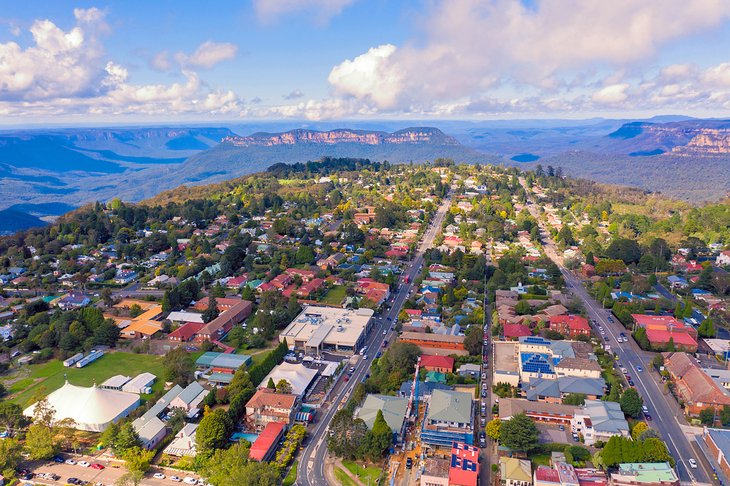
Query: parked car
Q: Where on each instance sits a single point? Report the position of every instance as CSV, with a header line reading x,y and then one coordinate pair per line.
x,y
83,464
175,479
97,466
70,462
58,459
190,480
409,463
158,476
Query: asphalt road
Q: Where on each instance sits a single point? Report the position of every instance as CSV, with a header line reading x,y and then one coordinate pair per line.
x,y
312,458
661,407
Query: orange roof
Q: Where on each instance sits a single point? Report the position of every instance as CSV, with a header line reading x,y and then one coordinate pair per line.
x,y
265,397
268,438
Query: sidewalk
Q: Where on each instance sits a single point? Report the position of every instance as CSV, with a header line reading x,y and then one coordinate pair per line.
x,y
329,471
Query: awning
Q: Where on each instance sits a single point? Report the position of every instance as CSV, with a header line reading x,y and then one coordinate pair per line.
x,y
303,417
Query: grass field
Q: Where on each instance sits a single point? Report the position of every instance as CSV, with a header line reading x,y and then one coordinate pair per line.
x,y
367,475
335,296
343,478
292,476
540,459
47,377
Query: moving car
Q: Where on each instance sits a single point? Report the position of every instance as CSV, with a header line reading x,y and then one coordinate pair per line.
x,y
692,463
644,409
409,463
639,369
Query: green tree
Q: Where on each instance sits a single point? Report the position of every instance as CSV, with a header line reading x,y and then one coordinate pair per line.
x,y
473,340
706,329
725,415
707,416
346,434
624,249
10,453
283,386
575,399
565,236
304,255
647,264
11,417
107,297
270,384
138,459
377,440
638,429
179,366
126,439
211,312
493,429
655,450
213,431
519,433
39,442
232,466
631,403
135,310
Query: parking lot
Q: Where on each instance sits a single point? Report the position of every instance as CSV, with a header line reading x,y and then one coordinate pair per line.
x,y
553,434
107,476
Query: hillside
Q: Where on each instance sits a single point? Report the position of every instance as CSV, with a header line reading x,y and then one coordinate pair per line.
x,y
12,220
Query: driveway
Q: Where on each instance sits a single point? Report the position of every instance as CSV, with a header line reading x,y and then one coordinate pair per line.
x,y
552,434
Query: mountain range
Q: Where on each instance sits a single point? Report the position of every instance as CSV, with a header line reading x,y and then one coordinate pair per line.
x,y
44,173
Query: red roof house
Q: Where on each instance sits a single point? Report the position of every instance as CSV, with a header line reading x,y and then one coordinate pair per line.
x,y
569,325
442,364
264,447
464,468
186,332
515,331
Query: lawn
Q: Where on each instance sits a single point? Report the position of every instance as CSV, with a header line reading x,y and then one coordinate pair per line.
x,y
540,459
335,296
343,478
368,475
47,377
292,476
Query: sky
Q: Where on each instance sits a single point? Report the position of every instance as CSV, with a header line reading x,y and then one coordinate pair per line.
x,y
139,61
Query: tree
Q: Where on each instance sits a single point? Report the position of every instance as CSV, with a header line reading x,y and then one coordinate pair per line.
x,y
707,416
138,459
493,429
107,296
211,312
126,439
638,429
565,235
624,249
232,466
11,417
270,384
725,415
473,340
135,310
377,440
647,264
346,434
519,433
44,413
213,431
655,450
575,399
631,403
10,453
130,479
179,366
39,442
706,329
283,386
304,254
579,453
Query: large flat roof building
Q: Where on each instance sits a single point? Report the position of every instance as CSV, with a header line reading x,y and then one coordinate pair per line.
x,y
318,329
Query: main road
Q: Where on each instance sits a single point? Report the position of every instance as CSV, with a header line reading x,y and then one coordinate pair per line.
x,y
312,459
661,406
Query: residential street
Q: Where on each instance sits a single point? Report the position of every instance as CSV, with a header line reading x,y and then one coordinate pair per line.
x,y
662,407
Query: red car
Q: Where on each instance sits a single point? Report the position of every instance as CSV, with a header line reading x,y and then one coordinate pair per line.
x,y
97,466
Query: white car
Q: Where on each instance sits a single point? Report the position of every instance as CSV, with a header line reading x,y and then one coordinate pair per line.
x,y
175,479
70,462
692,463
83,464
189,480
158,476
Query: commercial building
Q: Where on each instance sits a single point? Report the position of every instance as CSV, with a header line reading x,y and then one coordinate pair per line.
x,y
696,388
91,408
150,428
222,362
436,344
299,377
448,419
141,383
599,420
435,472
644,474
464,467
232,312
717,442
552,413
660,330
394,412
318,329
505,368
190,398
264,447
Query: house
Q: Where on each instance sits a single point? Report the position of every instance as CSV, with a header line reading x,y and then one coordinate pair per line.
x,y
186,332
570,325
552,413
435,472
448,418
184,442
190,398
553,391
73,300
394,413
561,474
464,467
332,261
515,472
233,311
236,283
269,406
644,474
677,282
512,332
469,369
599,420
694,387
442,364
299,377
723,259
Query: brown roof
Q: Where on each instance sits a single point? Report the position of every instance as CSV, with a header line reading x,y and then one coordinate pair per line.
x,y
693,384
265,397
581,349
437,338
509,407
579,364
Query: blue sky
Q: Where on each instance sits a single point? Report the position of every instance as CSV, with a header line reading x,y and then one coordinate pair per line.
x,y
68,62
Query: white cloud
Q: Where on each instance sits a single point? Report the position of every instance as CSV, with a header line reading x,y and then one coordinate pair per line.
x,y
68,72
612,94
322,11
208,54
161,61
471,47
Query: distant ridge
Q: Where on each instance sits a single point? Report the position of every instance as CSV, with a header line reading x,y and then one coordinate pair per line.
x,y
416,135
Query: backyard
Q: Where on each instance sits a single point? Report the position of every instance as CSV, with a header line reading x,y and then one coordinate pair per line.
x,y
335,296
23,385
